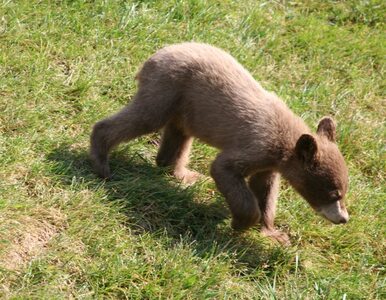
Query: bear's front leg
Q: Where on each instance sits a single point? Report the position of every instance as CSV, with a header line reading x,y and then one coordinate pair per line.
x,y
265,186
230,181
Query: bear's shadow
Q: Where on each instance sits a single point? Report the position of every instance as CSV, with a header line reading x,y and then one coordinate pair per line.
x,y
156,203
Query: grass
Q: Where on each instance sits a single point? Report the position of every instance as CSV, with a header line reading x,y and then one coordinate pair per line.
x,y
66,234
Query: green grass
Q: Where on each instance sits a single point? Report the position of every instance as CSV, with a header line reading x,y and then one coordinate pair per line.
x,y
66,234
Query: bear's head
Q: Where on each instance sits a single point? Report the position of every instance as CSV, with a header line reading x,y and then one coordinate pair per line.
x,y
321,175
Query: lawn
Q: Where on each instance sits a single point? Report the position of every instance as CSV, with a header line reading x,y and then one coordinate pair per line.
x,y
66,234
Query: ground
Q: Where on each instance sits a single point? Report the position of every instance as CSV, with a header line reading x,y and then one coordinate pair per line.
x,y
66,234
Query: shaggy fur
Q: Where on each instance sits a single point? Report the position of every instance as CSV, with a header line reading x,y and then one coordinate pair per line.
x,y
196,90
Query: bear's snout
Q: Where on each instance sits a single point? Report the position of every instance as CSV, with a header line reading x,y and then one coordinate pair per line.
x,y
335,212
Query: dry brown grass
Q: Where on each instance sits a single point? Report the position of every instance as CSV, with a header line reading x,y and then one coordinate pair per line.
x,y
28,236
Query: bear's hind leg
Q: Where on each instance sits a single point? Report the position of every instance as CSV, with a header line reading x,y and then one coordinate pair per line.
x,y
148,112
174,152
265,186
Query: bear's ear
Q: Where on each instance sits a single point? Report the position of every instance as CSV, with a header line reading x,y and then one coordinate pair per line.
x,y
327,128
306,148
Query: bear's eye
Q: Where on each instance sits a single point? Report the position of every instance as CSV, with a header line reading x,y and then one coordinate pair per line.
x,y
336,195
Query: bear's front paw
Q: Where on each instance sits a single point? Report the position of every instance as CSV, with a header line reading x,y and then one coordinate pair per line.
x,y
276,235
241,224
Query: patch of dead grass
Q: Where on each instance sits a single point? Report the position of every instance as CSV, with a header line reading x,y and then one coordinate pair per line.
x,y
26,237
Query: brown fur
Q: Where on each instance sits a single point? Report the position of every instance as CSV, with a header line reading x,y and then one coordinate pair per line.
x,y
196,90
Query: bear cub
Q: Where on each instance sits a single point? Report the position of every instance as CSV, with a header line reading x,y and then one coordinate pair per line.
x,y
197,90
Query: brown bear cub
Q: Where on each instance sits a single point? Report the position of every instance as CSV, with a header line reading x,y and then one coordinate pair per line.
x,y
196,90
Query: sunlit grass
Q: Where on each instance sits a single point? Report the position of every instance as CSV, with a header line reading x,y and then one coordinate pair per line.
x,y
66,64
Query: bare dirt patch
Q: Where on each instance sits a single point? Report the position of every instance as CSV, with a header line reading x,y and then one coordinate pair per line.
x,y
25,237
